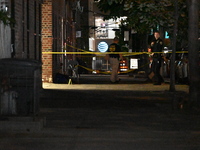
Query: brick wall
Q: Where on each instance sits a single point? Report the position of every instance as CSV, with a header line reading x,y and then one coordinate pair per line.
x,y
47,40
58,27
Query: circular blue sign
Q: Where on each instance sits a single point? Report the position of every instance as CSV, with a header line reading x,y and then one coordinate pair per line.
x,y
102,46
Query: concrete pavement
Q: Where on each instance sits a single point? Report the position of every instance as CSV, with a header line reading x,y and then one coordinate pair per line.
x,y
103,116
102,82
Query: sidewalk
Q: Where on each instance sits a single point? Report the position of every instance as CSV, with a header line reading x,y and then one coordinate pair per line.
x,y
101,82
108,117
117,87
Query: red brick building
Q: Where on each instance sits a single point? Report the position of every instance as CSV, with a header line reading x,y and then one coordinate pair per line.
x,y
47,26
60,21
47,39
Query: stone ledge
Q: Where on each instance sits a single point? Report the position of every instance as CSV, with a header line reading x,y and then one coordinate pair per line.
x,y
27,124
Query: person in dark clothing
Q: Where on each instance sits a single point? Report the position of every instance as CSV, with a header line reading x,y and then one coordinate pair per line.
x,y
156,48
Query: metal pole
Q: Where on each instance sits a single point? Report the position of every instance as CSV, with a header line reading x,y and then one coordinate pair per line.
x,y
194,69
62,47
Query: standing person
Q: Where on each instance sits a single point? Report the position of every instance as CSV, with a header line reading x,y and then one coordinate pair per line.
x,y
114,60
156,48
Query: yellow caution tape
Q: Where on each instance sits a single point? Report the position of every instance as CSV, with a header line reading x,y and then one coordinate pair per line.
x,y
100,53
104,53
132,53
85,52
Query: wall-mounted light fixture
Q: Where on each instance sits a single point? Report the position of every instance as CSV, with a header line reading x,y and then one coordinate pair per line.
x,y
4,6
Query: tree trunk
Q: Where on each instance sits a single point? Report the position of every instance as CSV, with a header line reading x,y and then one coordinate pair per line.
x,y
172,63
194,70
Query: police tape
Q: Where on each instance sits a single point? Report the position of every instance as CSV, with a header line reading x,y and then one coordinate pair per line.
x,y
85,52
137,53
93,53
82,51
104,53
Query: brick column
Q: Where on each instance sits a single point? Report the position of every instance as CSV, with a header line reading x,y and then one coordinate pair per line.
x,y
47,40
